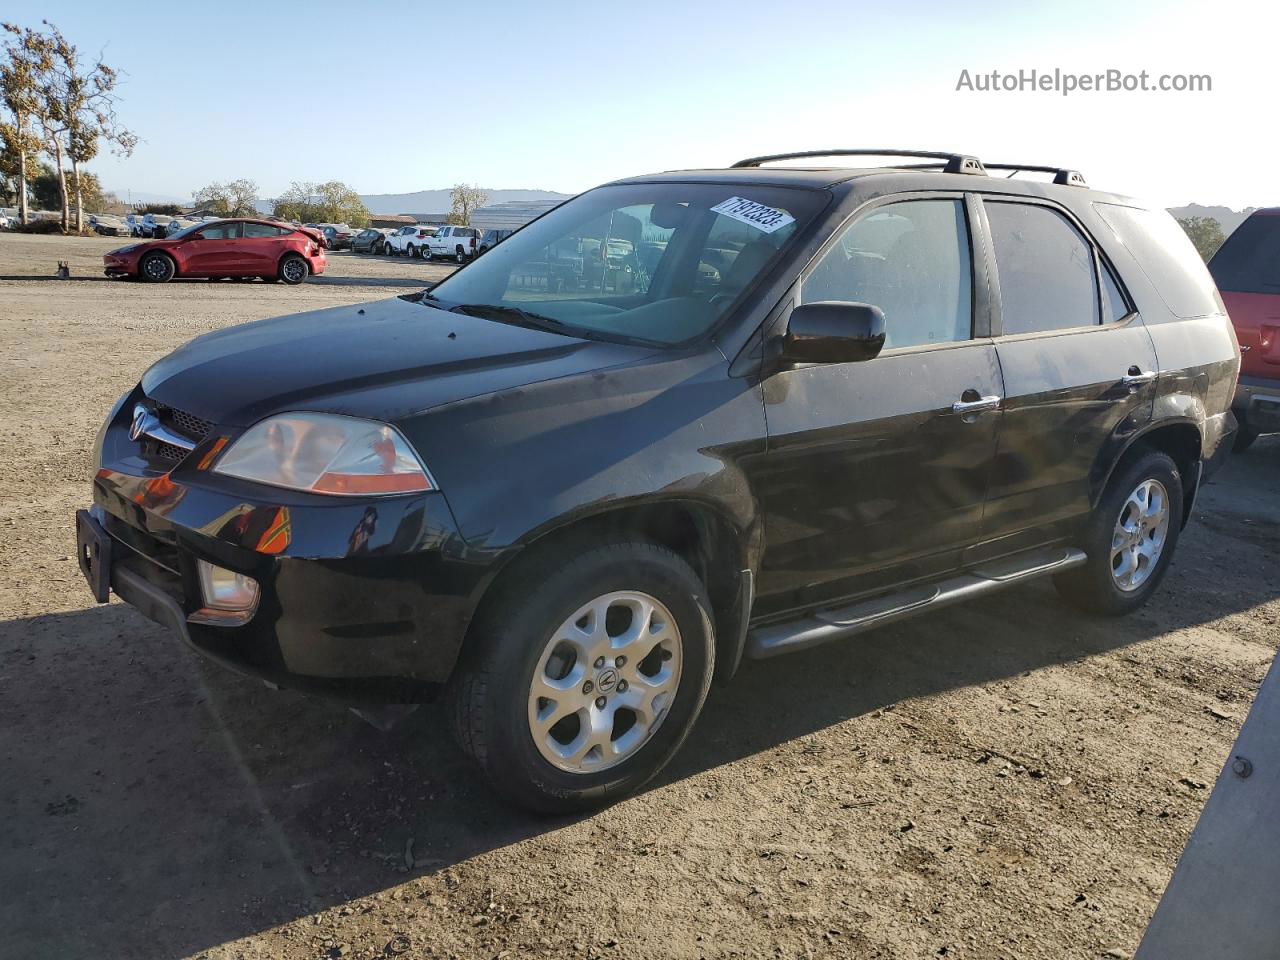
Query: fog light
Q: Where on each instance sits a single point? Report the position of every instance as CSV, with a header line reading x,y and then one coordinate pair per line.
x,y
230,598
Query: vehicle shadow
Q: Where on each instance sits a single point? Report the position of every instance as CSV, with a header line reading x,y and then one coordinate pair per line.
x,y
160,805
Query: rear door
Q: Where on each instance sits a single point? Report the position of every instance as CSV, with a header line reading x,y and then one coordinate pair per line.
x,y
876,472
261,248
1079,368
1247,271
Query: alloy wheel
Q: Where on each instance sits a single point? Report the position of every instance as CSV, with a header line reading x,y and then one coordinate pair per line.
x,y
294,270
1139,536
604,682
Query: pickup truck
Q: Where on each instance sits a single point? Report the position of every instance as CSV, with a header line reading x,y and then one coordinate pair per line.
x,y
461,243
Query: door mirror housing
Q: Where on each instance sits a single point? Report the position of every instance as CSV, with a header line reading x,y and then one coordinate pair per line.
x,y
833,331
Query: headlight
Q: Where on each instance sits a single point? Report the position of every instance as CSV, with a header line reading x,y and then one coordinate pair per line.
x,y
324,453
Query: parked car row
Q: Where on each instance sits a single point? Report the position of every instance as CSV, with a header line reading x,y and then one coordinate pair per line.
x,y
420,240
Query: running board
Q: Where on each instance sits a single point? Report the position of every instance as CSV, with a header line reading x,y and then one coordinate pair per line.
x,y
835,624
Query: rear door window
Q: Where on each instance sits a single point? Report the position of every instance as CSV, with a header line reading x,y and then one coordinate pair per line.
x,y
1249,262
261,231
911,259
1166,256
1048,280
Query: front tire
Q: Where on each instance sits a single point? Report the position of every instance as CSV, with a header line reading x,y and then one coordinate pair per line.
x,y
157,268
580,686
1130,538
293,269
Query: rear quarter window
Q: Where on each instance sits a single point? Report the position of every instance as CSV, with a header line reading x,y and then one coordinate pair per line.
x,y
1166,256
1249,262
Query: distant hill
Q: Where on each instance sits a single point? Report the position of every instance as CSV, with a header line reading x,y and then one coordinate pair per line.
x,y
141,196
1227,218
437,201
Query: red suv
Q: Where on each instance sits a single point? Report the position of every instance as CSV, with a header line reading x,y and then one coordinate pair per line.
x,y
1247,271
224,248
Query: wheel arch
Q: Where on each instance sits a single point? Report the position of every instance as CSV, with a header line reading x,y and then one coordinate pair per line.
x,y
704,536
1181,439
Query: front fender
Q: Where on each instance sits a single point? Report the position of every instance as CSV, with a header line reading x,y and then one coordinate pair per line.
x,y
523,461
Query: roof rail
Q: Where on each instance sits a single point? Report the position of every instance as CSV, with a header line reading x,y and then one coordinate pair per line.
x,y
951,162
1061,175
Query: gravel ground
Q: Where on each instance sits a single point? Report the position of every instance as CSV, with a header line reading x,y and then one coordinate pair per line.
x,y
1005,779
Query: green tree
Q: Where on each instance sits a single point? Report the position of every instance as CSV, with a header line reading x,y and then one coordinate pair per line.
x,y
168,209
1205,233
466,200
239,198
46,191
330,202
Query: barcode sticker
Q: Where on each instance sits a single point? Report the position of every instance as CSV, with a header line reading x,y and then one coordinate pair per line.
x,y
765,219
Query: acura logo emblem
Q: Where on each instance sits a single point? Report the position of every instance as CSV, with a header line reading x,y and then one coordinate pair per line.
x,y
144,421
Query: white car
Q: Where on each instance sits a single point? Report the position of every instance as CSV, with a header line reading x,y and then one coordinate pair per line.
x,y
410,240
461,243
155,225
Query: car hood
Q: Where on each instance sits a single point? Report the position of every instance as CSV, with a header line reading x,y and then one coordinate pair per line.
x,y
385,360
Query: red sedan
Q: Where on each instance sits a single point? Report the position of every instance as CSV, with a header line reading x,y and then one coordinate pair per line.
x,y
224,248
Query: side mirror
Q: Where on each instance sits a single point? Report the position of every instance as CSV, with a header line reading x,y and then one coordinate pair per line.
x,y
833,331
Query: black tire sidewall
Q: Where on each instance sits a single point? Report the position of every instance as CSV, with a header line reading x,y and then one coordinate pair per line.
x,y
512,760
142,268
1093,586
306,271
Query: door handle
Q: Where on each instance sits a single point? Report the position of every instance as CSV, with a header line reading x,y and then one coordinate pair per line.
x,y
976,406
1137,376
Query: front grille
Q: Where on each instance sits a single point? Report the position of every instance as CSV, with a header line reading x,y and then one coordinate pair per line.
x,y
187,424
167,451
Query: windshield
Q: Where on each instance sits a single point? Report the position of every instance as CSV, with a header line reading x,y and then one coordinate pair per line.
x,y
185,231
660,262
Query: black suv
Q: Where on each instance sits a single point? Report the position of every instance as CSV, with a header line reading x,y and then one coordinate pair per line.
x,y
491,239
677,420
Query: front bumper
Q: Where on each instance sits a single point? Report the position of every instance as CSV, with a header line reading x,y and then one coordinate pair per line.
x,y
363,600
1257,404
317,263
119,266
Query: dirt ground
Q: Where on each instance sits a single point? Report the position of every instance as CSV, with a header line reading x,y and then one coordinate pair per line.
x,y
1005,779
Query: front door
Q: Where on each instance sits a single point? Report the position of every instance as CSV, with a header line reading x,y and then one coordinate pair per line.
x,y
213,250
876,472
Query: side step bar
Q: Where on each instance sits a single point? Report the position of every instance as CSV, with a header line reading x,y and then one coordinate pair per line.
x,y
835,624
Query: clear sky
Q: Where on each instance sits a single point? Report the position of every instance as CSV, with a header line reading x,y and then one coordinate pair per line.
x,y
409,96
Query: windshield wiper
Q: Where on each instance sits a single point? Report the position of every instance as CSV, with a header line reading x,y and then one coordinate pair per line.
x,y
501,311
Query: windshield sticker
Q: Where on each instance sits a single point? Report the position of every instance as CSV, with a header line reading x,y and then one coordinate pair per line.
x,y
765,219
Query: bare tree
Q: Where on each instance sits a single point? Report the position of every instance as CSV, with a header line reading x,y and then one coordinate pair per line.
x,y
27,60
466,200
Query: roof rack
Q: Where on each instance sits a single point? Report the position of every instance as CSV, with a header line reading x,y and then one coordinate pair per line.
x,y
951,162
1061,175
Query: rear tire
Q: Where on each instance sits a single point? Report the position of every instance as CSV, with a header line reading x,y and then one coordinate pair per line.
x,y
1244,438
293,269
157,268
1130,538
585,745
